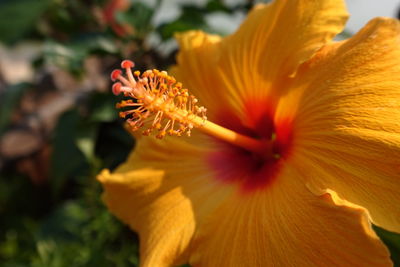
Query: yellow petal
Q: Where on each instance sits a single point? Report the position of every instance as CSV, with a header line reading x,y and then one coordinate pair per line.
x,y
287,225
276,38
182,213
347,120
251,63
197,69
162,191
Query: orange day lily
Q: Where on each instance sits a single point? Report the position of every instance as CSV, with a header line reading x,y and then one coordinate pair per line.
x,y
299,153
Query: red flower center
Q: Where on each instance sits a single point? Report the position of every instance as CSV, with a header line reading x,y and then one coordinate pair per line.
x,y
250,170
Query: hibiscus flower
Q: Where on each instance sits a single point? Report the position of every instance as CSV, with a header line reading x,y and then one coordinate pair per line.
x,y
298,154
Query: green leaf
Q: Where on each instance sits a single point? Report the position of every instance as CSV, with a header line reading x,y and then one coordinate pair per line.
x,y
113,144
64,223
392,241
85,142
70,56
217,5
66,57
9,100
139,16
18,17
191,18
83,233
92,44
102,107
67,160
69,18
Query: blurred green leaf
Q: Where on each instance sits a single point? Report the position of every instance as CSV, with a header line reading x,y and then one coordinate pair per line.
x,y
64,223
392,241
217,5
139,16
102,107
9,99
9,248
79,233
86,144
70,56
66,57
95,43
192,17
67,159
18,17
113,144
85,138
18,218
66,18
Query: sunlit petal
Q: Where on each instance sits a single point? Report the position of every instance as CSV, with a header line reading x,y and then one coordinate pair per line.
x,y
287,225
348,120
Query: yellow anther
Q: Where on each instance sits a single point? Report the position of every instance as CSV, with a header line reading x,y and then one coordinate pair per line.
x,y
161,135
146,132
171,80
163,87
158,126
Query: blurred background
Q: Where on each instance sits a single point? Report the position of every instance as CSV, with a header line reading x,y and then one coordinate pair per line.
x,y
58,125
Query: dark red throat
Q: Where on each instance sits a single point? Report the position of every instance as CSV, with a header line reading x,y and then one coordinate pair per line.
x,y
236,165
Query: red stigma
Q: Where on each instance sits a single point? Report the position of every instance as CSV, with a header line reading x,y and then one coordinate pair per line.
x,y
115,74
116,88
126,64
